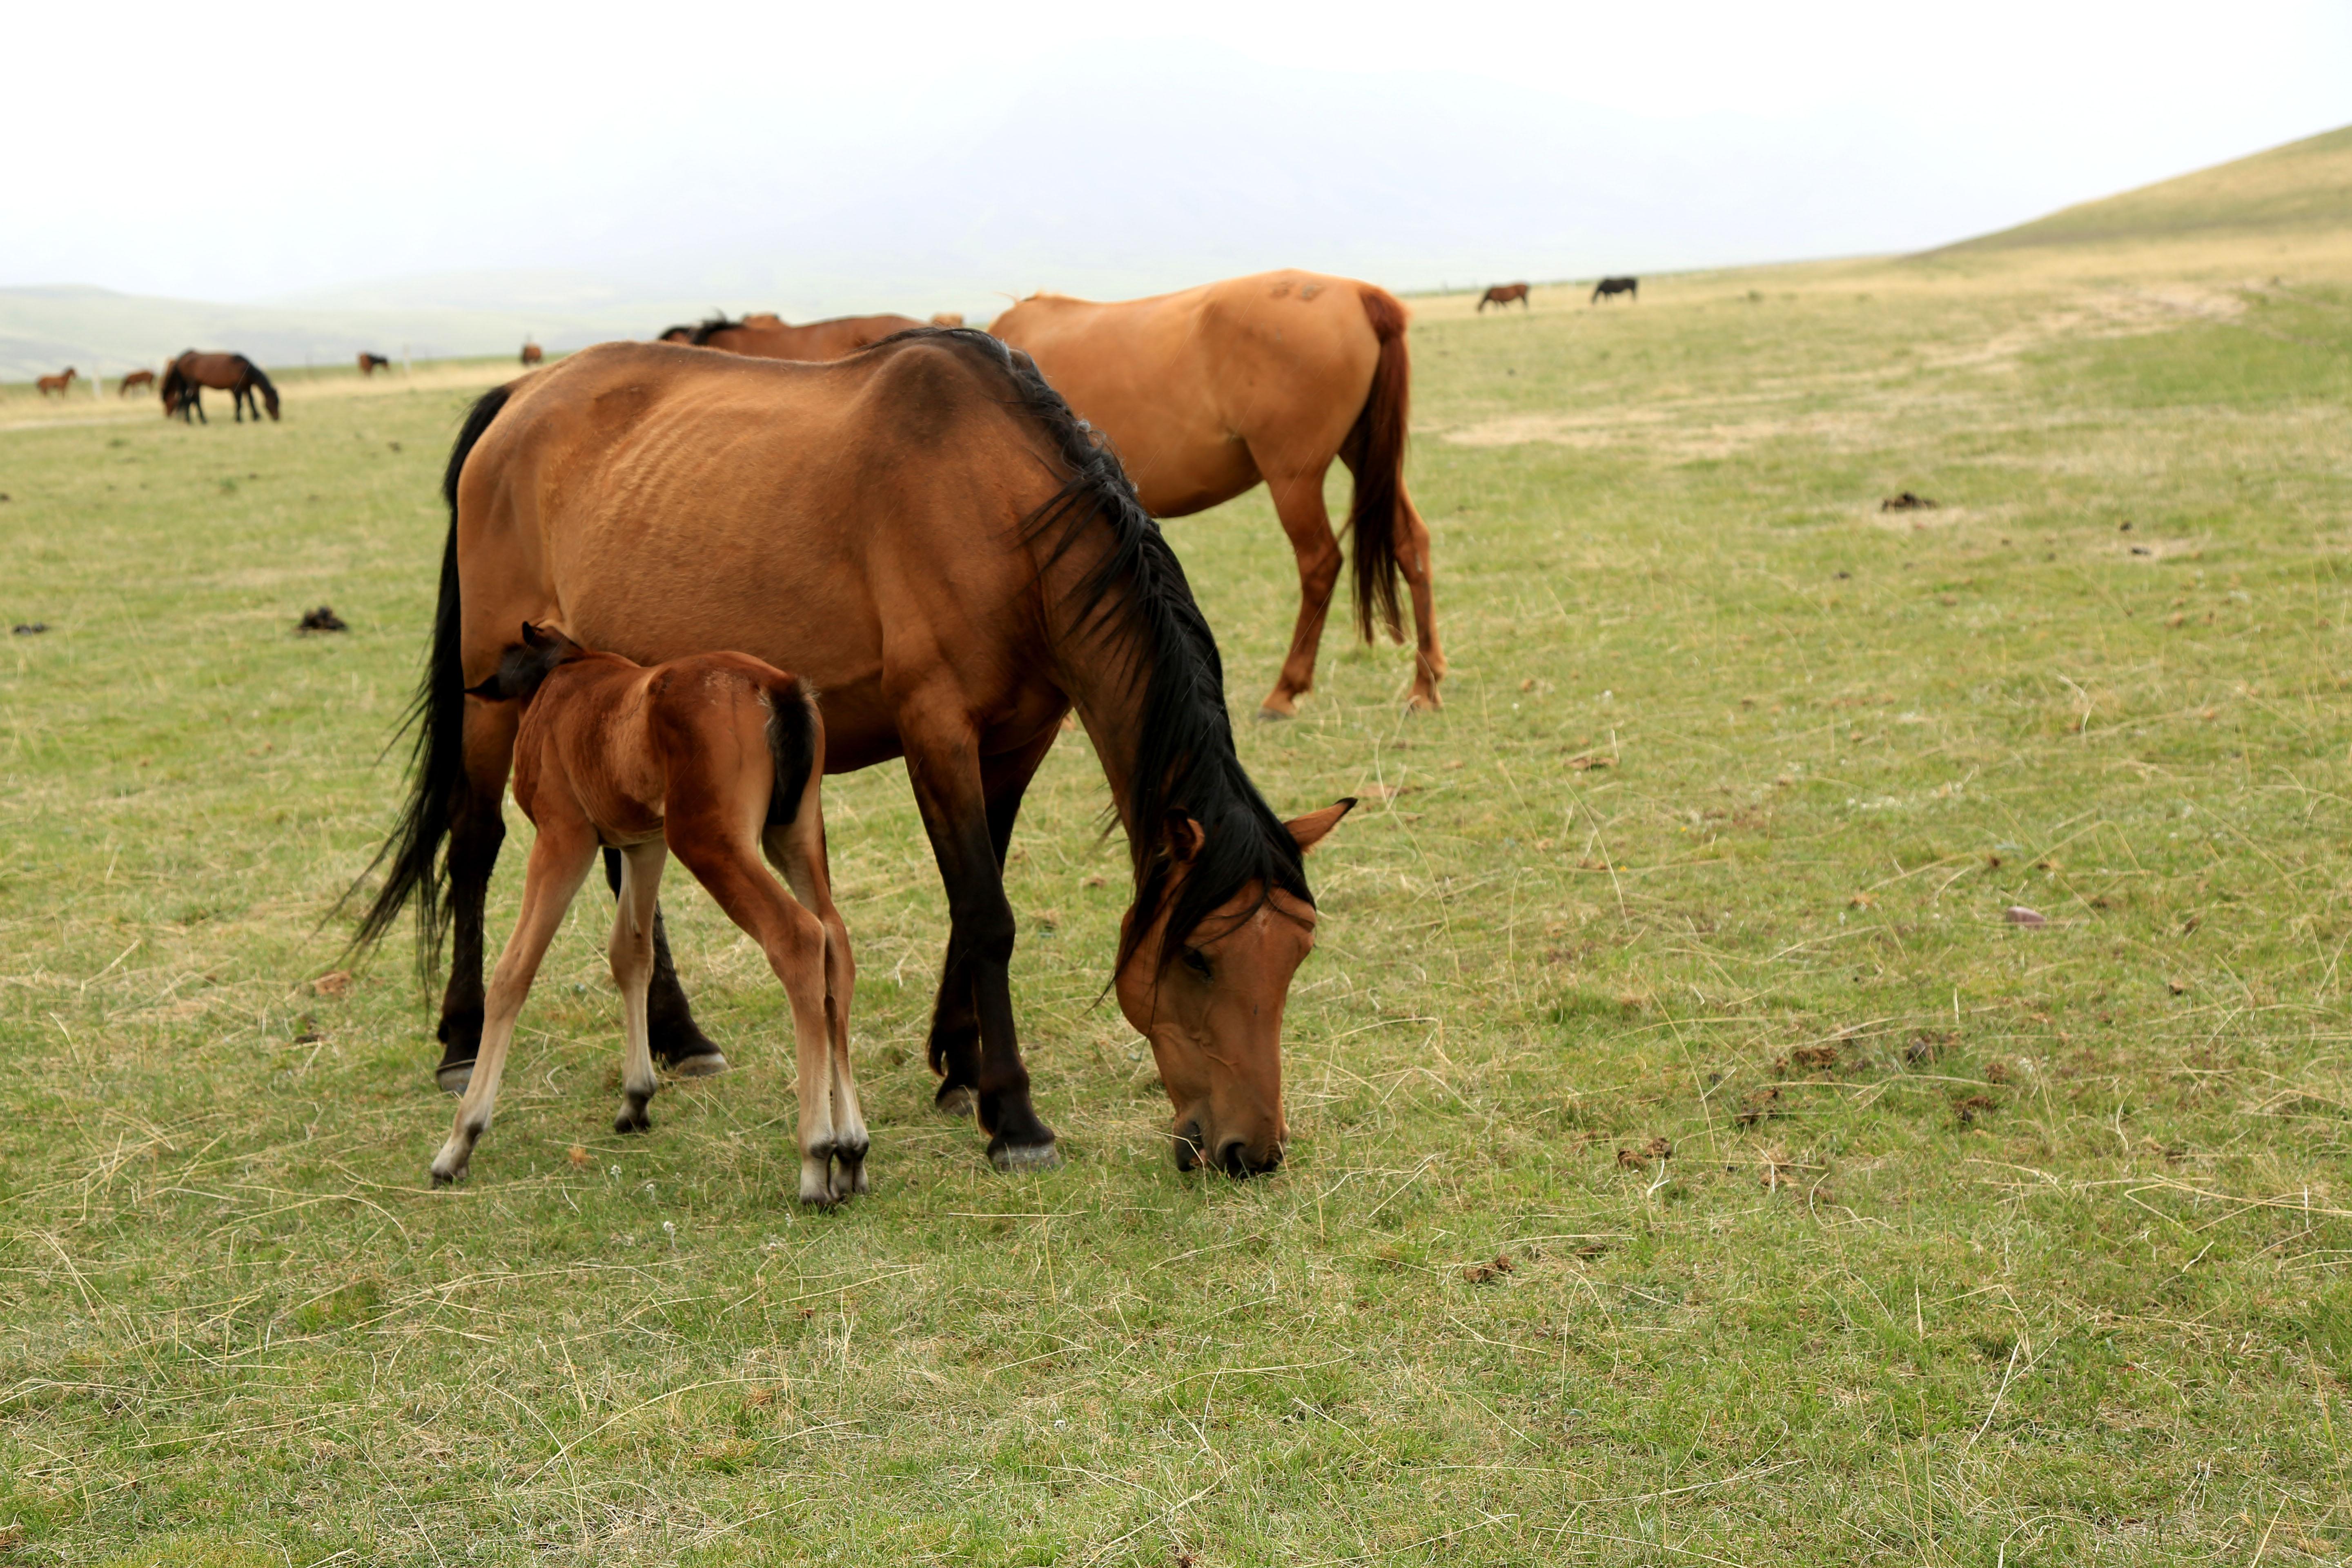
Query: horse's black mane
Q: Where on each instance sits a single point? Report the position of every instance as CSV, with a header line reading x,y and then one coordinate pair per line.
x,y
1137,595
700,337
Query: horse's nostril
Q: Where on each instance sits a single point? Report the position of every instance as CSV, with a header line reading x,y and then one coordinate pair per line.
x,y
1187,1140
1233,1157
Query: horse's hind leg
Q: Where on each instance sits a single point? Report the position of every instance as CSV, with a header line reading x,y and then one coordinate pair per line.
x,y
798,851
560,860
1414,560
631,953
477,830
720,856
677,1040
1298,502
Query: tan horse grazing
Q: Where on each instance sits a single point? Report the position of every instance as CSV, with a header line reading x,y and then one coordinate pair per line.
x,y
1506,294
60,384
186,378
715,758
948,318
531,352
925,533
141,379
1209,392
765,336
371,363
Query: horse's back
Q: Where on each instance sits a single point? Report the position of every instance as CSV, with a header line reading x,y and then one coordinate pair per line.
x,y
661,501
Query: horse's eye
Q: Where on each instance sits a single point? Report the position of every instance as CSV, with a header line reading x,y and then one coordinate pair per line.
x,y
1197,962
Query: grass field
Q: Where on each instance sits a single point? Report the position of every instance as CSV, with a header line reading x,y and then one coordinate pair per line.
x,y
1692,1163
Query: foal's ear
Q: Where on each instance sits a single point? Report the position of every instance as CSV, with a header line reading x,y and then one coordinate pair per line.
x,y
1185,838
1309,830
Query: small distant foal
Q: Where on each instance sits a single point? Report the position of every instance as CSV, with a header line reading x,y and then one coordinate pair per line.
x,y
716,757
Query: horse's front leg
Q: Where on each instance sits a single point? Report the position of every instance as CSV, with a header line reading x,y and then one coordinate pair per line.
x,y
677,1040
948,788
954,1048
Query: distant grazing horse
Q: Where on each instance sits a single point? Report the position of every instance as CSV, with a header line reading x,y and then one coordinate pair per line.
x,y
948,318
371,363
765,336
186,378
531,352
1209,392
1628,286
139,378
1506,294
716,758
926,534
59,384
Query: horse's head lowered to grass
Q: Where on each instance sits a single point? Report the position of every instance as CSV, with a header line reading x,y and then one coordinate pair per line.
x,y
1210,998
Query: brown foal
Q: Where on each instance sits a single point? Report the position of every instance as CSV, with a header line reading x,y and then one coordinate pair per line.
x,y
716,757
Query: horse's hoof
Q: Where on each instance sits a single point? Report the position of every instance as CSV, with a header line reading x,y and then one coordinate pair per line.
x,y
708,1064
1274,716
1019,1158
448,1178
452,1077
956,1099
633,1119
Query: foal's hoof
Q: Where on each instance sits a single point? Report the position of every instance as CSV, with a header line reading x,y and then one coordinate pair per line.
x,y
1271,715
452,1077
450,1177
1017,1158
708,1064
633,1119
955,1100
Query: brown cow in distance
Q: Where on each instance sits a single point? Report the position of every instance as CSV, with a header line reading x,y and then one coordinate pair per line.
x,y
1628,286
1506,294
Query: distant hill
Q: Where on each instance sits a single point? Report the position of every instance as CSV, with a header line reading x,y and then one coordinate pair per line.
x,y
101,333
2304,188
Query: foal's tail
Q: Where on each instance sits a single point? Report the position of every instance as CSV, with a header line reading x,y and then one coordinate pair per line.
x,y
436,769
269,392
1376,450
796,743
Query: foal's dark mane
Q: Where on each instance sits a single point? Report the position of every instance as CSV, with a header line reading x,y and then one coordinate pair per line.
x,y
1136,597
718,324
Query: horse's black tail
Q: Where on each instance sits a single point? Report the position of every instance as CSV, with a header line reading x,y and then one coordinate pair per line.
x,y
795,736
437,766
1376,445
269,392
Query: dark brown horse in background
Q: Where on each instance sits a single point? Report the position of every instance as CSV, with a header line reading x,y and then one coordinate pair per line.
x,y
531,352
926,534
186,377
1628,286
139,378
766,335
60,383
371,363
1506,294
1208,392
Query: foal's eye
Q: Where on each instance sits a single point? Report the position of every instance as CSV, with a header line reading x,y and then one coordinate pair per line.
x,y
1197,962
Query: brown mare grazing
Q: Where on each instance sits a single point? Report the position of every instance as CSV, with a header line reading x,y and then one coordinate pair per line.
x,y
1628,286
765,336
948,318
371,363
139,378
927,535
1206,393
531,352
715,758
60,384
1506,294
186,378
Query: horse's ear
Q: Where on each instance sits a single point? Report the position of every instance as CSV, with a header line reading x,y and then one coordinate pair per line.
x,y
1308,831
1186,839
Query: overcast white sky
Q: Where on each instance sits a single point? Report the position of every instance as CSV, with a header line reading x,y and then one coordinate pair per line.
x,y
836,156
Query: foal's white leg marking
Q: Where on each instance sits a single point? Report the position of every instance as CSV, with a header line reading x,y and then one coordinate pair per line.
x,y
798,852
560,862
631,954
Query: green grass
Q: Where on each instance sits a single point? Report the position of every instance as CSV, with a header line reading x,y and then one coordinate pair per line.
x,y
1962,1241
